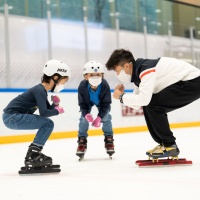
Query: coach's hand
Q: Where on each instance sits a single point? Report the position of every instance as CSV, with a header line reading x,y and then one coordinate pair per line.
x,y
119,90
120,87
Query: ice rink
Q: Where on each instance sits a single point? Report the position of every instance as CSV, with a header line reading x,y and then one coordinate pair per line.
x,y
99,178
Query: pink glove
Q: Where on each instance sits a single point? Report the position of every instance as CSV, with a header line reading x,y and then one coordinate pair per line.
x,y
97,122
89,117
59,109
55,99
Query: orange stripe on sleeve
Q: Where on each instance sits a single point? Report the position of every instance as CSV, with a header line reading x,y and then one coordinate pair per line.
x,y
147,72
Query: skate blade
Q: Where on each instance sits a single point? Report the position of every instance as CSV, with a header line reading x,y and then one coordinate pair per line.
x,y
158,160
163,162
110,154
80,155
40,170
81,158
50,166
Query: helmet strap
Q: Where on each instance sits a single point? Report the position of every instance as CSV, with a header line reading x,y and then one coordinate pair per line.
x,y
55,82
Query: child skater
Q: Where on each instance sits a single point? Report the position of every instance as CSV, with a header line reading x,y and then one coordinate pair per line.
x,y
19,113
94,91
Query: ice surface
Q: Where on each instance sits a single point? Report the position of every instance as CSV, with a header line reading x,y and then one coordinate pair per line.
x,y
99,178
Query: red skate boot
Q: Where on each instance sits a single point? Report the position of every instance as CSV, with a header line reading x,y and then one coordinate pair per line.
x,y
109,145
82,147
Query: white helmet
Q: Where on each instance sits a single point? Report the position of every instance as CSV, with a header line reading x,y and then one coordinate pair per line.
x,y
93,67
55,66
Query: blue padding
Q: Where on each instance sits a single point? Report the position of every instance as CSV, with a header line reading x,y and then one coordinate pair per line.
x,y
13,89
24,89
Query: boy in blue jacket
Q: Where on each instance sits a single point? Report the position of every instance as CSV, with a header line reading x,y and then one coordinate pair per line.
x,y
94,91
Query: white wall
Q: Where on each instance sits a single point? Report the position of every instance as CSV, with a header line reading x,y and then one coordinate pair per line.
x,y
29,48
70,119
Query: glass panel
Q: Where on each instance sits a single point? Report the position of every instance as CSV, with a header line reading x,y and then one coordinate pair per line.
x,y
27,20
101,13
67,10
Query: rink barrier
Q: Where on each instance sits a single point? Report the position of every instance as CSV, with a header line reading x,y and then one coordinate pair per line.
x,y
73,134
8,90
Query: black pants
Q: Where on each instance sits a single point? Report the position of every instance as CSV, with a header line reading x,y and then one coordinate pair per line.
x,y
173,97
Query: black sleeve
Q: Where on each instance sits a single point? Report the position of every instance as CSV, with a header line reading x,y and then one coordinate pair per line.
x,y
43,106
105,100
81,101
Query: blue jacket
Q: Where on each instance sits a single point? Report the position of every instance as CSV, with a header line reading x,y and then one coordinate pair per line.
x,y
84,99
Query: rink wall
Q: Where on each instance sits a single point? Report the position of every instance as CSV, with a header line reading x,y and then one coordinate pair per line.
x,y
124,119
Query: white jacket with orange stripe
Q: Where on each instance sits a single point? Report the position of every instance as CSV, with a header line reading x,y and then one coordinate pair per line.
x,y
150,76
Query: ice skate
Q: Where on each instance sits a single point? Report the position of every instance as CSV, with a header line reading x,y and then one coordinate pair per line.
x,y
171,151
163,156
109,145
82,147
36,162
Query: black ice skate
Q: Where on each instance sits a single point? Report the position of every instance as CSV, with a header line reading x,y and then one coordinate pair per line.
x,y
36,162
109,145
82,147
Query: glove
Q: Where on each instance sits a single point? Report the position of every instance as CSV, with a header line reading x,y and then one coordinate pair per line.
x,y
89,117
59,109
55,99
97,122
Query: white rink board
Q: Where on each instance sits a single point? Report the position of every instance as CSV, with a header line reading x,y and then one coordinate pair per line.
x,y
70,119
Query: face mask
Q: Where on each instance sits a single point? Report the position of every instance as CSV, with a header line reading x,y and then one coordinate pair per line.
x,y
58,88
123,77
95,80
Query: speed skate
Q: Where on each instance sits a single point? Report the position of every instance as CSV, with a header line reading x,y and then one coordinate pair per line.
x,y
163,162
39,169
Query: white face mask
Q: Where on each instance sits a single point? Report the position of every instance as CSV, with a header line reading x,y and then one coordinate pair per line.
x,y
58,88
124,77
95,80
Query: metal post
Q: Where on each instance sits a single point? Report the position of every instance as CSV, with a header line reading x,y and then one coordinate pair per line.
x,y
7,44
49,29
192,44
198,59
117,28
145,37
85,18
170,38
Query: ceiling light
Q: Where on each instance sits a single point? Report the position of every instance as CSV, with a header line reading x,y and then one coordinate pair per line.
x,y
158,11
197,18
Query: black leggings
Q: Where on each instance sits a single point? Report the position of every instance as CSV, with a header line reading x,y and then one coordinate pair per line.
x,y
173,97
